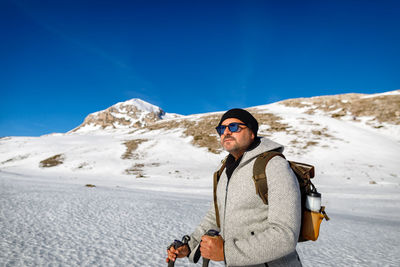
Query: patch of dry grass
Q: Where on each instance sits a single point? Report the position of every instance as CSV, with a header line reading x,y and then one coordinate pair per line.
x,y
385,108
52,161
83,165
202,130
131,146
137,170
309,144
16,158
204,133
272,120
322,133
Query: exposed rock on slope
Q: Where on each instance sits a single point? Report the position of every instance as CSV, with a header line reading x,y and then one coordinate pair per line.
x,y
137,114
381,107
52,161
201,128
134,113
138,139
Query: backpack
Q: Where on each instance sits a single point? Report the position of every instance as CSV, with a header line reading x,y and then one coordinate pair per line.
x,y
310,221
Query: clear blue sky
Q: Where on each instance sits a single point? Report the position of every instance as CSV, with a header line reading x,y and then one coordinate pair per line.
x,y
61,60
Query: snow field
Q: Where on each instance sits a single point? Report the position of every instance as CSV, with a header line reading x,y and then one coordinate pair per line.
x,y
47,223
48,217
50,223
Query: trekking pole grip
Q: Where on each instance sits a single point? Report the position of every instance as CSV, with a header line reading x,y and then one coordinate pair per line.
x,y
171,263
211,233
177,244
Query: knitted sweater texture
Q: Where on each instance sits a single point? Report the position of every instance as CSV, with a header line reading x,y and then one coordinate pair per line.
x,y
255,233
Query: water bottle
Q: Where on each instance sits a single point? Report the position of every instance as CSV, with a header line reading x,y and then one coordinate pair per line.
x,y
313,201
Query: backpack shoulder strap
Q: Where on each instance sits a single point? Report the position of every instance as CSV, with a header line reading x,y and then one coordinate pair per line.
x,y
259,175
217,175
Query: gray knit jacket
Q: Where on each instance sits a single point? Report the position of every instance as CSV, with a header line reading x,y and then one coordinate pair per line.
x,y
255,233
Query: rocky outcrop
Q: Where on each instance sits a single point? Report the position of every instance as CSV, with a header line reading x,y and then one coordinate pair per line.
x,y
379,107
134,113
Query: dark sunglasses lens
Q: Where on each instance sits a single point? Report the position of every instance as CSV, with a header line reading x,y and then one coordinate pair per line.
x,y
233,127
221,129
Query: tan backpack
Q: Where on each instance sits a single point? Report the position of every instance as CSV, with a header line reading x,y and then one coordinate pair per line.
x,y
310,221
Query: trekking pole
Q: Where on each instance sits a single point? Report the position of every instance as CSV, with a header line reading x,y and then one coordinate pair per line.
x,y
177,244
212,233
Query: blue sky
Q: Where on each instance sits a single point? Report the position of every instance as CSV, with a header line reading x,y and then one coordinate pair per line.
x,y
61,60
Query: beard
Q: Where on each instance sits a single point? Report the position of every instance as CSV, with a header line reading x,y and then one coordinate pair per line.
x,y
232,146
236,146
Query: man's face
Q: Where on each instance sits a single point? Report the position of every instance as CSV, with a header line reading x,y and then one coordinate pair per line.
x,y
236,143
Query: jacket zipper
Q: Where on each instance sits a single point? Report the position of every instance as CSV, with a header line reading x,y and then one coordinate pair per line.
x,y
226,197
226,191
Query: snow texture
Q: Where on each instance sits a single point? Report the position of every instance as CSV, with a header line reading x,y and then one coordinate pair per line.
x,y
48,217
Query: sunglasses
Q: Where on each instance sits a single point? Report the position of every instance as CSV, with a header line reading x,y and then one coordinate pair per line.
x,y
233,127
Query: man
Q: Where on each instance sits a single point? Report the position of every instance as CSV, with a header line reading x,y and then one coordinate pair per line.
x,y
251,233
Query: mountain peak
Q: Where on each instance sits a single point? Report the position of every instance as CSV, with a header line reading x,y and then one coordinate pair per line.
x,y
140,105
133,113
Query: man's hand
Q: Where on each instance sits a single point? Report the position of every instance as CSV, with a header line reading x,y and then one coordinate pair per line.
x,y
212,247
180,252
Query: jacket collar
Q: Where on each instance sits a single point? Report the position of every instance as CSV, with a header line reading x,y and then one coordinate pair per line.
x,y
258,147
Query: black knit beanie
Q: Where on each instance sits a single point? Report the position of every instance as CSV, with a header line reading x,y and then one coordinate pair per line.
x,y
242,115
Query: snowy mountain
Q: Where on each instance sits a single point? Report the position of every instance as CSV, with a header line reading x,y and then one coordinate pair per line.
x,y
140,139
134,113
353,140
136,138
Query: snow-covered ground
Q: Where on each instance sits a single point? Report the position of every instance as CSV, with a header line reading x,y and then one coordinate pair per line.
x,y
50,222
48,217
